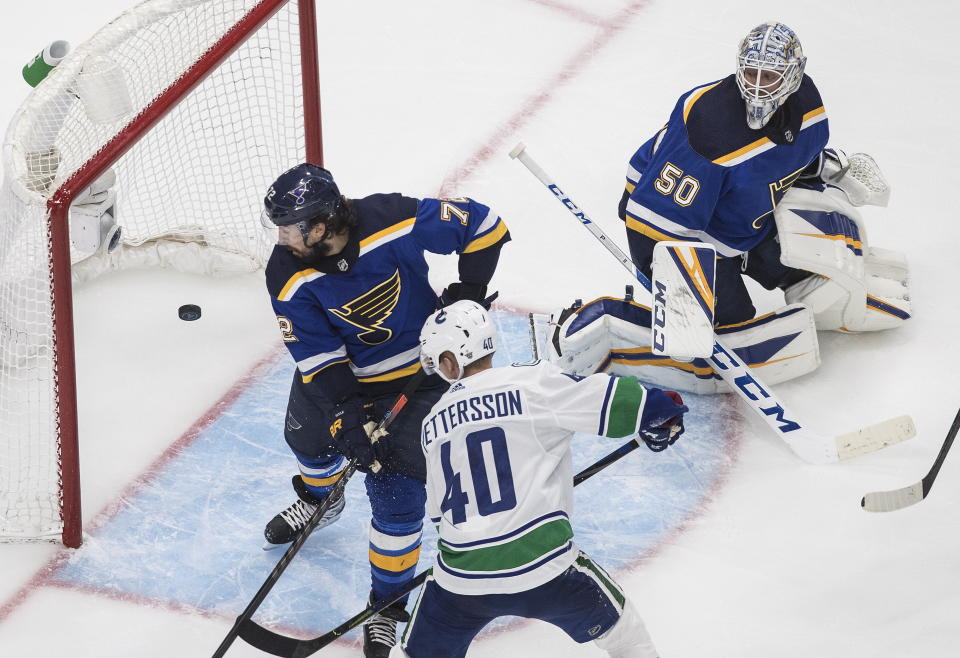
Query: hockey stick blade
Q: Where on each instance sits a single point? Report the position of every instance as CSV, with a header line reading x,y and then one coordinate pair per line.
x,y
288,647
889,501
247,629
808,444
875,437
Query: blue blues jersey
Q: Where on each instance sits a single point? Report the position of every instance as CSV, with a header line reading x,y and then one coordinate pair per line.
x,y
369,317
708,176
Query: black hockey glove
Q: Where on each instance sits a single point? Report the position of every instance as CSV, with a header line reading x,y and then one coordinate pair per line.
x,y
473,291
663,435
350,431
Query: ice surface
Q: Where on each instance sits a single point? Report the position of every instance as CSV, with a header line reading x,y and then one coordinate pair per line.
x,y
773,557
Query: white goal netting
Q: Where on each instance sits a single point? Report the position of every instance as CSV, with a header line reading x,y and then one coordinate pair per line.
x,y
186,194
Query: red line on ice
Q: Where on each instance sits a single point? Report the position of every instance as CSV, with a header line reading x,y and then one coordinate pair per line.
x,y
45,576
573,12
571,69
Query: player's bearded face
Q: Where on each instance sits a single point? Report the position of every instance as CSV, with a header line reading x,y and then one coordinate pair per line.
x,y
311,249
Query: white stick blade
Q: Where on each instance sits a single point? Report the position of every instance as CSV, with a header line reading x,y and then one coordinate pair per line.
x,y
517,150
875,437
889,501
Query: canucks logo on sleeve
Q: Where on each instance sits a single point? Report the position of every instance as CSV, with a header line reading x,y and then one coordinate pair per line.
x,y
370,315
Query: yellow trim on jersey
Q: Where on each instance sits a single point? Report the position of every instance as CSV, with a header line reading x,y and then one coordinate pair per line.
x,y
491,238
812,113
399,226
630,187
321,482
647,230
390,376
695,98
763,141
395,562
292,281
308,378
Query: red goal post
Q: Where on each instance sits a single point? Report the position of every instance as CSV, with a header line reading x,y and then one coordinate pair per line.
x,y
170,122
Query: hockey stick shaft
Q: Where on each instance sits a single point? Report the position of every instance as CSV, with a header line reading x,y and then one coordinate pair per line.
x,y
938,462
245,617
281,645
889,501
759,397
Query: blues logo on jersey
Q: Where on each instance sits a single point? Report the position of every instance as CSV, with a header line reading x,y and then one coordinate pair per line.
x,y
371,309
370,316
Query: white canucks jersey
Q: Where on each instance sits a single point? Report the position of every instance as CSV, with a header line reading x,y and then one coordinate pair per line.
x,y
499,471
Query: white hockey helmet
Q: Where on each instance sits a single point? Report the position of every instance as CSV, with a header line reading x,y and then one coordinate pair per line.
x,y
464,329
770,65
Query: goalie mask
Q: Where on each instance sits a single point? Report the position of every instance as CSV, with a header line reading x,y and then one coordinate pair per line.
x,y
463,329
770,65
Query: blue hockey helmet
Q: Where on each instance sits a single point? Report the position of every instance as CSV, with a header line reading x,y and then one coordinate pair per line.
x,y
303,195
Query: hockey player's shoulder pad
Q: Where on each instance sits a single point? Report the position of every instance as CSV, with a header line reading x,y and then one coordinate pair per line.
x,y
716,125
284,270
806,99
715,120
383,213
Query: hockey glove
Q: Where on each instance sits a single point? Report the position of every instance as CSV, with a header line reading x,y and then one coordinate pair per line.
x,y
351,433
661,434
473,291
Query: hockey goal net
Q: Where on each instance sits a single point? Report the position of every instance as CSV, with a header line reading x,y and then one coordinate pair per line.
x,y
170,122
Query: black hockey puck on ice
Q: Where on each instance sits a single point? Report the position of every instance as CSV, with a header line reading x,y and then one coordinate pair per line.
x,y
189,312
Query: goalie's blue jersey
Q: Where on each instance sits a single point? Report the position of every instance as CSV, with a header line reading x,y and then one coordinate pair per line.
x,y
369,317
708,176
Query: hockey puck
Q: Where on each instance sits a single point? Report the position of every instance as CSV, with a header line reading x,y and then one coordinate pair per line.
x,y
189,312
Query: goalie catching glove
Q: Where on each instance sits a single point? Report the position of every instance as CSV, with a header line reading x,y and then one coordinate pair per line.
x,y
351,432
659,434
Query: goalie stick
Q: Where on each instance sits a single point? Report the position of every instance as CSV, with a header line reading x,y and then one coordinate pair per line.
x,y
888,501
245,627
288,647
805,442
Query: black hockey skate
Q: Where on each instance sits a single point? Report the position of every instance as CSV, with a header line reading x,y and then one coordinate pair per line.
x,y
285,526
380,633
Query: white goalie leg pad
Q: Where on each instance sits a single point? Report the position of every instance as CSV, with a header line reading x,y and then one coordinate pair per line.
x,y
857,288
683,299
629,637
613,335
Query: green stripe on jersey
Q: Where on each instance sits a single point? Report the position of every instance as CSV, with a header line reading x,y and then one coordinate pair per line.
x,y
512,554
601,575
625,407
